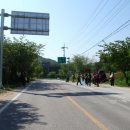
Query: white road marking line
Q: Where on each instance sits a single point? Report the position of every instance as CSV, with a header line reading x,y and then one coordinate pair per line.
x,y
12,100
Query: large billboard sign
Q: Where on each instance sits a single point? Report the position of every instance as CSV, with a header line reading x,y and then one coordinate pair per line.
x,y
29,23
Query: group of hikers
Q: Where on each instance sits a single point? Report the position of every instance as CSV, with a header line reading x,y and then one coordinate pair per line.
x,y
84,78
89,78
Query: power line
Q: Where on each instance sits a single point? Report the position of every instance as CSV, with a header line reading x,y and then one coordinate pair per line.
x,y
97,25
108,20
127,23
95,13
116,13
119,7
117,30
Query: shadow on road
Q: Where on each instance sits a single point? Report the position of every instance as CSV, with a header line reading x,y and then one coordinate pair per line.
x,y
59,95
39,88
18,115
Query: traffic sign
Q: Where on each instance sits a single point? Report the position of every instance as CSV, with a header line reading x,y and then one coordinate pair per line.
x,y
61,59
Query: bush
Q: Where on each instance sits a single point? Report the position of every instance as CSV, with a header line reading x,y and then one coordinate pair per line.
x,y
52,75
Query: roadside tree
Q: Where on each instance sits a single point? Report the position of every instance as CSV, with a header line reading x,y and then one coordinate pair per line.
x,y
118,55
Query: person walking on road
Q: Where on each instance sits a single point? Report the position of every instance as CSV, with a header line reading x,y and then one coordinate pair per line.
x,y
111,78
86,79
67,77
73,77
89,79
97,79
79,79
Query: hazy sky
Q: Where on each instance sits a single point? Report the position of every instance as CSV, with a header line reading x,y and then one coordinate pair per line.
x,y
79,24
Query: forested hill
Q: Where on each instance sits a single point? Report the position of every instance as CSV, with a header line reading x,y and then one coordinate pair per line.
x,y
47,60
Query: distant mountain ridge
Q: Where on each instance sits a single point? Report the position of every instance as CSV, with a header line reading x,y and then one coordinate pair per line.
x,y
47,61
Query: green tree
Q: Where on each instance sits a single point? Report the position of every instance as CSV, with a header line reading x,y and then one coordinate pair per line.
x,y
36,70
52,75
63,71
118,55
19,56
80,63
76,64
105,62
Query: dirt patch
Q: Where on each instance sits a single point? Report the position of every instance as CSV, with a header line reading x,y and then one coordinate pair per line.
x,y
4,93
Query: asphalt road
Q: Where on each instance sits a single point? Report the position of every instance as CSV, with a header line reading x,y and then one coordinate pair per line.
x,y
57,105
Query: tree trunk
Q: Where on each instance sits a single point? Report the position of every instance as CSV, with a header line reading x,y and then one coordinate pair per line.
x,y
126,78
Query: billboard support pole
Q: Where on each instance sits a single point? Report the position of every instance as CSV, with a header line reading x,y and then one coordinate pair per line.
x,y
1,45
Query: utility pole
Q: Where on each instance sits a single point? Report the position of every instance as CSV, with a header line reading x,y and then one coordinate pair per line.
x,y
1,45
64,47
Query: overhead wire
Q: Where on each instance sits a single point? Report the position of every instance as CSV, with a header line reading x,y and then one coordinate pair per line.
x,y
108,20
92,17
100,22
116,13
123,26
118,30
97,13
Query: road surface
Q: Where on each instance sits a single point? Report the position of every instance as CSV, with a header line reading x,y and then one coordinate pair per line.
x,y
57,105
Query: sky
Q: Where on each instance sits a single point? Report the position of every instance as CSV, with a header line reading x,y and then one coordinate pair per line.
x,y
78,24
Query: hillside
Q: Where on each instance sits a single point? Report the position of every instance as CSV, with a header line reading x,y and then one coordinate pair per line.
x,y
47,61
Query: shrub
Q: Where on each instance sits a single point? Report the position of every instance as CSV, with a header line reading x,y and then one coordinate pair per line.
x,y
52,75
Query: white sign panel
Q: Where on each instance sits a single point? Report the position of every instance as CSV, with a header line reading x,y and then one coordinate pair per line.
x,y
29,23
